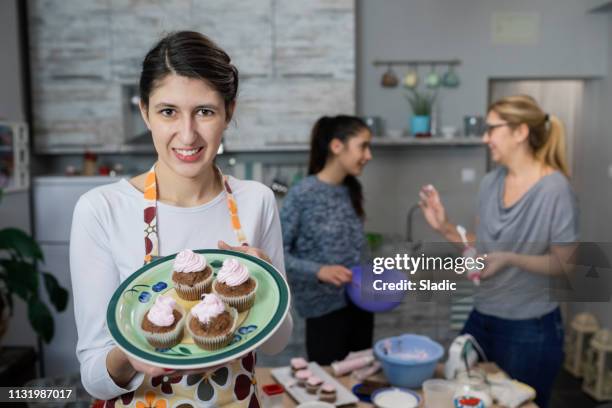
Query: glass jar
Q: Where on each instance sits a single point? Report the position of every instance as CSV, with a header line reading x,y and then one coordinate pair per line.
x,y
473,383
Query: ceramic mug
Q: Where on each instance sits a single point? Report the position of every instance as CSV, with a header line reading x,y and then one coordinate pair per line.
x,y
433,79
411,79
450,78
389,79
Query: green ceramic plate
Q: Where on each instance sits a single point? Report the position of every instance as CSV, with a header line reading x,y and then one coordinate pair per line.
x,y
137,294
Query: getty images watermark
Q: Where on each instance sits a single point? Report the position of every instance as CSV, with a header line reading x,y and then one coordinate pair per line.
x,y
411,264
577,272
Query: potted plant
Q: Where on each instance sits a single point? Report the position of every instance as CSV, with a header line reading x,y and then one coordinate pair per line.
x,y
421,104
20,276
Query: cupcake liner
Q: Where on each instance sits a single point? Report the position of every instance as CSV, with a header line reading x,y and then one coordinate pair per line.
x,y
167,339
196,291
217,342
240,303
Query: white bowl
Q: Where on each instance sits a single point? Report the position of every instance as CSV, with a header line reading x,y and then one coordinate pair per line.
x,y
316,404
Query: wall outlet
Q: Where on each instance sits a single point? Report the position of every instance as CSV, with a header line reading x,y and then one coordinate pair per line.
x,y
610,171
468,175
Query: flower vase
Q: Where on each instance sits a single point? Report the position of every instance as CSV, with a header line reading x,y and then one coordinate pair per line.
x,y
419,125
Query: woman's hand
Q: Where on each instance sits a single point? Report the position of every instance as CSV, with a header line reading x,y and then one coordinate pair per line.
x,y
150,370
432,207
153,371
245,250
495,262
122,367
335,274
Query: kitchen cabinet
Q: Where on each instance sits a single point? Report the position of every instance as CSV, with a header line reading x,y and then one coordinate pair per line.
x,y
59,356
54,201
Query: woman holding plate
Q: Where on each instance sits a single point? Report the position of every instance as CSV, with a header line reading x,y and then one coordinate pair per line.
x,y
188,89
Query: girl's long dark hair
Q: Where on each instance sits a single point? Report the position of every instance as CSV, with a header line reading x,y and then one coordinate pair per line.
x,y
341,127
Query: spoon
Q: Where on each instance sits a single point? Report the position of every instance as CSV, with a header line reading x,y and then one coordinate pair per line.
x,y
463,234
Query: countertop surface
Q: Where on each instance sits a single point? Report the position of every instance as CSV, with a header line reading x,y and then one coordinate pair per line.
x,y
264,377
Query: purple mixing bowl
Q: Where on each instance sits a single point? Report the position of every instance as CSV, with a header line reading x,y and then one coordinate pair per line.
x,y
362,293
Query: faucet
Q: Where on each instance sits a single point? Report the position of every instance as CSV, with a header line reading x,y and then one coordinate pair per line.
x,y
409,217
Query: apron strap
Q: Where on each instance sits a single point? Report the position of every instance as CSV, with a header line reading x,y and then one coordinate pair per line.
x,y
151,237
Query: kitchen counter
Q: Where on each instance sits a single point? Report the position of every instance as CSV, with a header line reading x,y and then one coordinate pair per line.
x,y
264,377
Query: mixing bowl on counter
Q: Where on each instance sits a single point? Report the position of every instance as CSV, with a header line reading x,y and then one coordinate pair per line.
x,y
409,359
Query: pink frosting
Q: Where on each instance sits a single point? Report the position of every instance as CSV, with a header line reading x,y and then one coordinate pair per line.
x,y
161,314
314,380
233,273
298,363
327,387
209,308
188,261
303,374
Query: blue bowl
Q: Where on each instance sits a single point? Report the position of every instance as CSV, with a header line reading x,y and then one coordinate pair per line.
x,y
406,372
362,293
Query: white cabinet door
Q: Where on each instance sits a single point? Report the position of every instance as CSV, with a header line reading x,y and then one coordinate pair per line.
x,y
59,355
54,201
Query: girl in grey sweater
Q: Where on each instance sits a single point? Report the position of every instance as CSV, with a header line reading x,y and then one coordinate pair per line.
x,y
322,223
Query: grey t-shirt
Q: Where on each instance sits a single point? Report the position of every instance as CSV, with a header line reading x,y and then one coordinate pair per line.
x,y
546,215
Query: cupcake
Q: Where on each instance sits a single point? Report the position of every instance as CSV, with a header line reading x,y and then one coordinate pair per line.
x,y
298,364
162,325
327,393
192,277
235,286
302,376
212,323
313,383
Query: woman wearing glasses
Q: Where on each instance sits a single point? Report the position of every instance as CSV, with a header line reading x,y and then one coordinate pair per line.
x,y
527,220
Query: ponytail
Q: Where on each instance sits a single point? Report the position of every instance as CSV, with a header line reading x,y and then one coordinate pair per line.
x,y
552,152
341,127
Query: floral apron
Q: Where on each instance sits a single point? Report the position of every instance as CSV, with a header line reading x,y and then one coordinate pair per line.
x,y
230,386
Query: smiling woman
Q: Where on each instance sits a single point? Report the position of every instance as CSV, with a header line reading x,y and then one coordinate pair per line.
x,y
188,92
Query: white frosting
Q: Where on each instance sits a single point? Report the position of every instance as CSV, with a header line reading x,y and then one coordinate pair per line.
x,y
395,398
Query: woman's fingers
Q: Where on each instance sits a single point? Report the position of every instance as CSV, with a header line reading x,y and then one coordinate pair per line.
x,y
245,249
226,246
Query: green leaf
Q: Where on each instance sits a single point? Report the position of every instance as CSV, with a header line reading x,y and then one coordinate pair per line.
x,y
184,350
40,319
57,294
21,278
20,243
6,300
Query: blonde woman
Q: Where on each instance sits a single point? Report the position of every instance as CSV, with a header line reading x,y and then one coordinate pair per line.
x,y
527,220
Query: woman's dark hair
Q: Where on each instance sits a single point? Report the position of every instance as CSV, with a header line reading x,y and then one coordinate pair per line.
x,y
341,127
193,55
